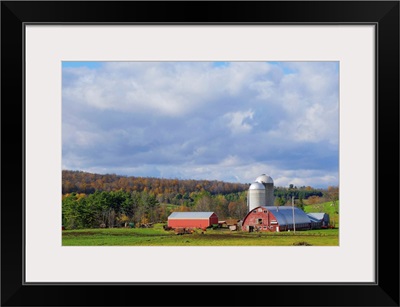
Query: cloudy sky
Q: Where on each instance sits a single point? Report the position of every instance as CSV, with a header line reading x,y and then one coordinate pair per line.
x,y
230,121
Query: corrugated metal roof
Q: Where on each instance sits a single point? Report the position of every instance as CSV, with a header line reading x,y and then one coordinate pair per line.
x,y
317,215
190,215
284,215
313,219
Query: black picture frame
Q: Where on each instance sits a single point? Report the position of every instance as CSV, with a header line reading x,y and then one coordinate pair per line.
x,y
383,14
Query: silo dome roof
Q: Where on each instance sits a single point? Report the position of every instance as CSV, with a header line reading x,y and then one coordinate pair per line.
x,y
264,179
257,186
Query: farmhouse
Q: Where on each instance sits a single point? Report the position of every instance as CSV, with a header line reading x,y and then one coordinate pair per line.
x,y
275,218
192,219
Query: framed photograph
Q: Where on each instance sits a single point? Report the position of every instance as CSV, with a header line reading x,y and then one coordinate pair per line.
x,y
98,93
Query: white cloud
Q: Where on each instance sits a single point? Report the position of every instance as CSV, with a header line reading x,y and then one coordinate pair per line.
x,y
239,122
200,120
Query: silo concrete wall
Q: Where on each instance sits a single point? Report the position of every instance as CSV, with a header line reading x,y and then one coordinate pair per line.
x,y
269,194
256,198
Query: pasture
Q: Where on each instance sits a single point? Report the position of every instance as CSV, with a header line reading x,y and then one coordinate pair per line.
x,y
327,207
157,236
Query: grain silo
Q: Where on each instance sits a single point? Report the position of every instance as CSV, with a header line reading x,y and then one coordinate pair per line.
x,y
268,183
256,197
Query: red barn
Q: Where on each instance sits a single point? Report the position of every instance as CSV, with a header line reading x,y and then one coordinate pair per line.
x,y
192,219
273,218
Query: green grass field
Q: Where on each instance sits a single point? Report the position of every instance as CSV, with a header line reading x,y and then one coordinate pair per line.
x,y
157,236
327,207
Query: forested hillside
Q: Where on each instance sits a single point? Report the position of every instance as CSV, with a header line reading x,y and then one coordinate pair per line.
x,y
95,200
83,182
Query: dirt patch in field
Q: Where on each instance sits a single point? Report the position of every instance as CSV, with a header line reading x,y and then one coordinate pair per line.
x,y
302,244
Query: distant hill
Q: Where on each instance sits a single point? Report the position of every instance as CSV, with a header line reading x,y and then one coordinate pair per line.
x,y
84,182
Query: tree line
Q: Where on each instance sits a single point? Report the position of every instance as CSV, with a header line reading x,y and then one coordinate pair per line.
x,y
84,182
94,200
120,208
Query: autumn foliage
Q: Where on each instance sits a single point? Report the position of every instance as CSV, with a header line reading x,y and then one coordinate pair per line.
x,y
94,200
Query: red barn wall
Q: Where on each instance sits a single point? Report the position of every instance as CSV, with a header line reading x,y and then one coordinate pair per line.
x,y
204,223
269,222
213,219
193,223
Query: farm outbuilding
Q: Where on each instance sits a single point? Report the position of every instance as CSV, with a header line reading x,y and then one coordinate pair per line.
x,y
275,218
319,219
192,219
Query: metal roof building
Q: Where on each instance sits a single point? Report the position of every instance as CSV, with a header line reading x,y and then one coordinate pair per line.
x,y
192,219
319,219
275,218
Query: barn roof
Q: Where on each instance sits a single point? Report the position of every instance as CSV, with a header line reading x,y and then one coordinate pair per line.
x,y
317,215
190,215
313,219
284,215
